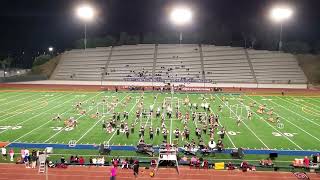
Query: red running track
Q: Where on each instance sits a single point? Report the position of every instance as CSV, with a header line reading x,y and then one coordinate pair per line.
x,y
19,172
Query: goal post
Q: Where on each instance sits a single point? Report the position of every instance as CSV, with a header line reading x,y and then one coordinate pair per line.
x,y
236,111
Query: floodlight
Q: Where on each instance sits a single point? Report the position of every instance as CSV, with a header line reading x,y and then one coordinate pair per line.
x,y
85,12
181,15
50,49
279,14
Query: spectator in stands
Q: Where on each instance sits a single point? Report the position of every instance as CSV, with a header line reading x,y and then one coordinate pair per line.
x,y
4,153
11,153
306,161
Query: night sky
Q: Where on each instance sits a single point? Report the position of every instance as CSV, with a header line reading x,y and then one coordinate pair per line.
x,y
30,26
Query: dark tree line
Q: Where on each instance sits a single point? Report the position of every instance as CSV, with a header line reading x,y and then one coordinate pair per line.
x,y
219,36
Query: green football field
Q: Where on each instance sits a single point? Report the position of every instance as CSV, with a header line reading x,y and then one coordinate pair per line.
x,y
28,117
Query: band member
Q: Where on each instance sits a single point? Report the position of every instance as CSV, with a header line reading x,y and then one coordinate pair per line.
x,y
187,116
151,134
238,121
261,109
126,130
132,128
165,136
141,134
158,113
177,133
204,129
249,116
193,116
198,132
187,134
137,114
179,115
118,116
222,132
270,112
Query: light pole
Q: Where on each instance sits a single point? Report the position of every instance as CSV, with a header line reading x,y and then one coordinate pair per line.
x,y
180,16
279,15
86,14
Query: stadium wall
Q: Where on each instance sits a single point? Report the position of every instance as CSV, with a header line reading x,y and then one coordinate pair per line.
x,y
160,84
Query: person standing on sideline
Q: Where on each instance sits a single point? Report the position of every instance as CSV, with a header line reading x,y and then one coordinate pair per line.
x,y
136,168
4,153
113,172
11,153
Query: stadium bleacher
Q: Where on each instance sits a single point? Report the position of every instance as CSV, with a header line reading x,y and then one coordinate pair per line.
x,y
179,63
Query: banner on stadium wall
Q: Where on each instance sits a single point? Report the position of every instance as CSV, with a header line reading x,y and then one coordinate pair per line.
x,y
195,89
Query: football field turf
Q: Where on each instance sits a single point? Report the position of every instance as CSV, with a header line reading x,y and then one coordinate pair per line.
x,y
27,117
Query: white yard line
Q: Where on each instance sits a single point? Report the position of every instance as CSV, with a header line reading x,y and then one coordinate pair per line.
x,y
76,119
35,115
41,125
98,122
296,113
291,123
314,99
171,120
17,99
243,123
20,110
301,103
304,102
277,129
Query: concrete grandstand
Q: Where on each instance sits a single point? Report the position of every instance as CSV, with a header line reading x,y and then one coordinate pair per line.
x,y
179,63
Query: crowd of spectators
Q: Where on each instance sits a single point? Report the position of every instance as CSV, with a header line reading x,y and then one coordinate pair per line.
x,y
30,158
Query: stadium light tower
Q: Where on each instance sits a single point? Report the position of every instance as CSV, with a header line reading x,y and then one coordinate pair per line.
x,y
279,15
86,14
181,16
